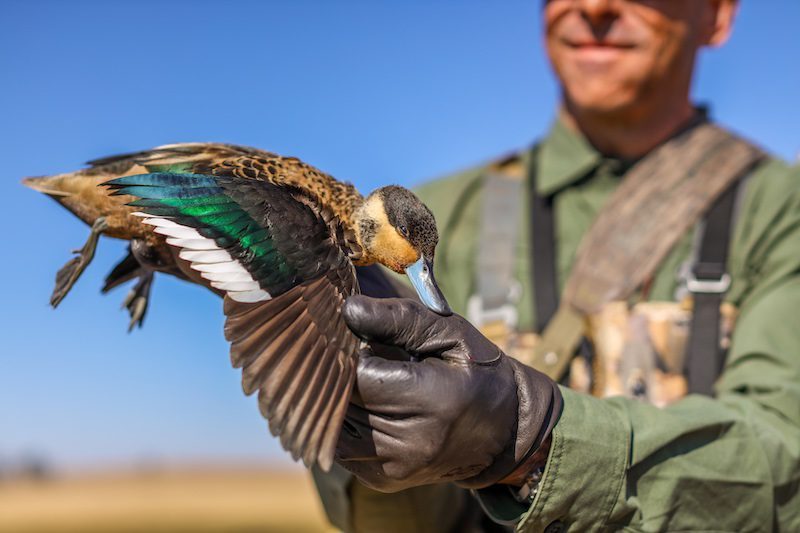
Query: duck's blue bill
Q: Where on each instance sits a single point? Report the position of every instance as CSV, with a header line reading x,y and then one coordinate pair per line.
x,y
421,276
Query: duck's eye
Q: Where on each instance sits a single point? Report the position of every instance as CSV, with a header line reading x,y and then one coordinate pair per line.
x,y
403,230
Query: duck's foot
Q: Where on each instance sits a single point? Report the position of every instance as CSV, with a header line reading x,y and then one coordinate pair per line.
x,y
137,299
126,270
72,270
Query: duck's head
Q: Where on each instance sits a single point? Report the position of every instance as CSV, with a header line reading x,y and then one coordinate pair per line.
x,y
397,230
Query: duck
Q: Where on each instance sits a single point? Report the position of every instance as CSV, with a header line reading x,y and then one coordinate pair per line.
x,y
279,240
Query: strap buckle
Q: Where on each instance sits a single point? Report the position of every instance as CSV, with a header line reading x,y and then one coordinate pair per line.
x,y
708,286
506,313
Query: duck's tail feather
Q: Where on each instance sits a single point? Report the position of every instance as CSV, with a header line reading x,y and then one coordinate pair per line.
x,y
50,185
75,191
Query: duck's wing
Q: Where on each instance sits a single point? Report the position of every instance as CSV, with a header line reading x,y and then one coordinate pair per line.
x,y
283,263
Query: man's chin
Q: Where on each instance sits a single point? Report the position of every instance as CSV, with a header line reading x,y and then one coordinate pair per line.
x,y
617,102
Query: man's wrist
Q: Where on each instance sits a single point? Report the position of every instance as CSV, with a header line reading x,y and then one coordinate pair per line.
x,y
521,475
523,481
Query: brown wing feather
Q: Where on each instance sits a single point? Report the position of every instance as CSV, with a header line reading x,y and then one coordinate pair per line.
x,y
309,434
308,429
300,422
299,354
288,390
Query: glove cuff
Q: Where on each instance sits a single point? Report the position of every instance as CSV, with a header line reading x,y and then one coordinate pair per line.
x,y
539,404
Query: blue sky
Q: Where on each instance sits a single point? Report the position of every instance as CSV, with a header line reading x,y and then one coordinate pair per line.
x,y
372,92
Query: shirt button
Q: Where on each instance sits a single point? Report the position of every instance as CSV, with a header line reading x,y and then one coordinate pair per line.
x,y
557,526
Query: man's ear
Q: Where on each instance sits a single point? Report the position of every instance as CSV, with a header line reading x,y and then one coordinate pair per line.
x,y
724,14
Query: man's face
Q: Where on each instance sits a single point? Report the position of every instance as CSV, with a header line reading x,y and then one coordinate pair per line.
x,y
610,54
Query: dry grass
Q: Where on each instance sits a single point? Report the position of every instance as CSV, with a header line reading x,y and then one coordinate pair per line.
x,y
202,501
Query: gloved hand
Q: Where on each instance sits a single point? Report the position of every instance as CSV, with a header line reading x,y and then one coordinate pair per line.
x,y
459,410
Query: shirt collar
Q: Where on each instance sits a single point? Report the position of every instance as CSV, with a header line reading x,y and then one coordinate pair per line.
x,y
565,156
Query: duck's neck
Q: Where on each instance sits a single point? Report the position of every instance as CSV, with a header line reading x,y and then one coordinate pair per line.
x,y
365,224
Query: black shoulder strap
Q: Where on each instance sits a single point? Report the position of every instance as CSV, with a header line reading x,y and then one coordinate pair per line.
x,y
708,283
543,250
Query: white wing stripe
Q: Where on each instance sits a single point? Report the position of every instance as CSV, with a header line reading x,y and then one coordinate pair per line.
x,y
193,244
250,296
237,286
180,232
220,267
205,256
214,263
166,223
227,276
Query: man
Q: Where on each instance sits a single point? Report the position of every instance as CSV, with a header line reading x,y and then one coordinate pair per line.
x,y
461,413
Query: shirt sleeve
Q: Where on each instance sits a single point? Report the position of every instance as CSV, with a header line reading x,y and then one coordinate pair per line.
x,y
730,463
352,507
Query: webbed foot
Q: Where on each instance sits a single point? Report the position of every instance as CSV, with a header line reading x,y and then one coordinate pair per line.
x,y
137,299
72,270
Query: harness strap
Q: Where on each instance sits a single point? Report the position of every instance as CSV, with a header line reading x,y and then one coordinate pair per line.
x,y
544,279
708,283
501,208
498,290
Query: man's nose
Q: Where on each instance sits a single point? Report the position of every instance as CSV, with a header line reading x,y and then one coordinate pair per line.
x,y
598,12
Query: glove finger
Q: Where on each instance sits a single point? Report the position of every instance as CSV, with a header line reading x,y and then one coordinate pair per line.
x,y
396,321
356,442
362,419
387,351
360,431
386,386
367,453
395,389
364,433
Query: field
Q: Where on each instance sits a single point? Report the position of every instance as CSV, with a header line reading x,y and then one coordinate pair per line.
x,y
179,500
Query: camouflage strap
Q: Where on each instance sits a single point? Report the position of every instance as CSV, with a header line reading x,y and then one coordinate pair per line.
x,y
660,198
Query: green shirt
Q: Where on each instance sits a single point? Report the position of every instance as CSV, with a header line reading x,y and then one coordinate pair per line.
x,y
730,463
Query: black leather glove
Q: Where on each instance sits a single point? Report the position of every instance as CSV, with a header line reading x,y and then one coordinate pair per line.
x,y
459,410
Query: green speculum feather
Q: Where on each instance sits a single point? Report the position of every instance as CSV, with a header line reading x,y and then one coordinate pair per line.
x,y
227,220
197,201
219,199
255,238
205,210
